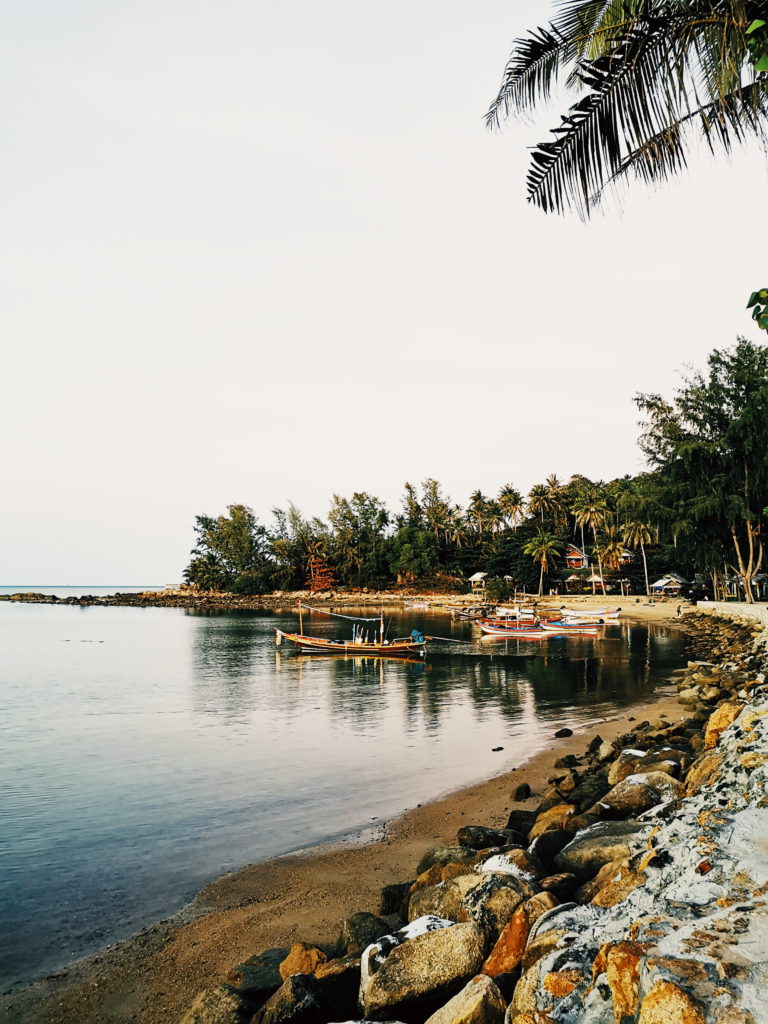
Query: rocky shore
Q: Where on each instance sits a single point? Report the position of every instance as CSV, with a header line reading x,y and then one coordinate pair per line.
x,y
634,892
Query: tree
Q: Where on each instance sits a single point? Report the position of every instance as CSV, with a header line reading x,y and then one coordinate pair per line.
x,y
545,548
591,511
358,543
230,553
652,74
638,534
710,448
511,504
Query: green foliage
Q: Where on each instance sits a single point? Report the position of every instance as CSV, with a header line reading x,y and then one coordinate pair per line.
x,y
230,553
758,303
710,449
413,555
652,75
757,43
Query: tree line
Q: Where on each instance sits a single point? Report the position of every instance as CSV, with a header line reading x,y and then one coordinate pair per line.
x,y
698,510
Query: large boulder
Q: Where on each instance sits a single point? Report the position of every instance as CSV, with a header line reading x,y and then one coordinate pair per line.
x,y
443,900
638,793
552,819
302,958
443,855
492,903
297,1001
719,721
218,1005
478,837
421,972
509,948
479,1002
359,931
259,976
600,844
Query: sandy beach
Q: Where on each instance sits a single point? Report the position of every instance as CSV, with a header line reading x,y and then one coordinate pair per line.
x,y
154,976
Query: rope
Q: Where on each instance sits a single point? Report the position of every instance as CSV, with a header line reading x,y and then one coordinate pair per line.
x,y
337,615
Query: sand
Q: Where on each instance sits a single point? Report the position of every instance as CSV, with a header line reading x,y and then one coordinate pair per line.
x,y
154,976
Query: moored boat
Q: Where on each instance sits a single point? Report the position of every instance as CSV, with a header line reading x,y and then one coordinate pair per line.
x,y
360,645
575,628
416,644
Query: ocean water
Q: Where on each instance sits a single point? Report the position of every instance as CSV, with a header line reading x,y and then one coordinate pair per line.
x,y
146,751
74,591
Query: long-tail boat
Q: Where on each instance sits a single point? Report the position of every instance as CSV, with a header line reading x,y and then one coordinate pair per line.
x,y
359,646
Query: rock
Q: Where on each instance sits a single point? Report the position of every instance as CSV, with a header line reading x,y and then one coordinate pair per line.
x,y
219,1005
491,904
295,1002
588,791
554,818
606,752
521,821
522,792
617,890
621,963
703,771
638,793
359,931
302,959
478,837
259,976
561,886
613,871
562,733
479,1002
443,900
514,862
594,744
547,846
421,972
666,1003
567,761
443,855
688,697
724,716
508,951
339,985
599,845
392,897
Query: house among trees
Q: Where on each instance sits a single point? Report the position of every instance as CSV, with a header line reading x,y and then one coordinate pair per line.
x,y
575,557
477,582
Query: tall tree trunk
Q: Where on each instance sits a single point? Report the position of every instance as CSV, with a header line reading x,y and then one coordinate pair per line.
x,y
541,580
645,567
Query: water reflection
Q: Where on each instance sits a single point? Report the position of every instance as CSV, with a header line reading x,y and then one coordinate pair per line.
x,y
196,726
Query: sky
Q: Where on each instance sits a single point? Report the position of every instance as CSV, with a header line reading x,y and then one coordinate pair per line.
x,y
265,252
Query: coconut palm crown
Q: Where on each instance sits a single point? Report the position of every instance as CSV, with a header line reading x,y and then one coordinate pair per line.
x,y
651,75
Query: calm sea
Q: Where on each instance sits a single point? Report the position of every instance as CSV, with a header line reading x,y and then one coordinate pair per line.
x,y
147,750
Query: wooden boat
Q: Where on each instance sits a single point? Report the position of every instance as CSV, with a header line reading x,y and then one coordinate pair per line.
x,y
589,616
359,646
494,627
570,628
356,648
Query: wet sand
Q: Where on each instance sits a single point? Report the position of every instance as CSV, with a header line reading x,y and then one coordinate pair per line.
x,y
154,976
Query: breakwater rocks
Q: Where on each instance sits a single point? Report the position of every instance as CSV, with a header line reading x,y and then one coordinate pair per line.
x,y
189,597
635,893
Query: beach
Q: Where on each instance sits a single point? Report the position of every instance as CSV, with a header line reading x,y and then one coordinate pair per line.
x,y
154,976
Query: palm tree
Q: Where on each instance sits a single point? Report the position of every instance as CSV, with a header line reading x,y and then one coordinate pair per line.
x,y
591,511
477,510
638,534
511,504
653,74
494,517
545,548
538,501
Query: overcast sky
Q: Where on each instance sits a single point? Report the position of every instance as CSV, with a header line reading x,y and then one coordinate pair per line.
x,y
262,252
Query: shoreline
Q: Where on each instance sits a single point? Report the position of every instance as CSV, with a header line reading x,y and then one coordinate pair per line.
x,y
153,976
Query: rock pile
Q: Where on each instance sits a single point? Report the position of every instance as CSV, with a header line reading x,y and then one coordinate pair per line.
x,y
634,894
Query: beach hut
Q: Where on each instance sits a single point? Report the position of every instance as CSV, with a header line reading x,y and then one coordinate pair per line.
x,y
667,585
575,557
477,582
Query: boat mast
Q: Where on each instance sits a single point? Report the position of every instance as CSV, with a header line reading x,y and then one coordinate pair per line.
x,y
301,621
381,630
